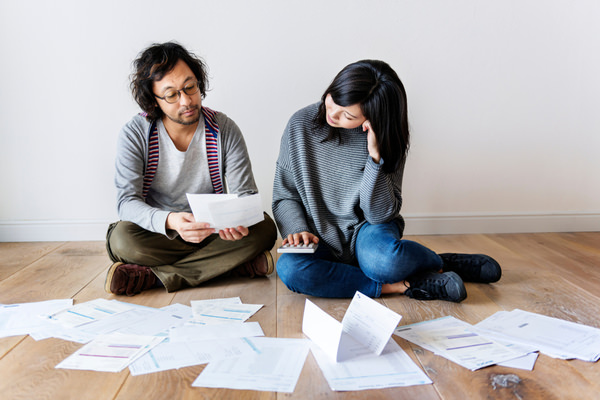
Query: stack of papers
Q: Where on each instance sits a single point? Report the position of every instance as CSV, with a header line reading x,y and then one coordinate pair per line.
x,y
358,353
117,335
355,354
507,338
458,342
552,336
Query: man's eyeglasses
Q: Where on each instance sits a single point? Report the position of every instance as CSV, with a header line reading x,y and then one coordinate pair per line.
x,y
172,96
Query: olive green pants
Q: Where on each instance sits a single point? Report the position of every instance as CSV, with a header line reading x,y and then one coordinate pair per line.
x,y
179,264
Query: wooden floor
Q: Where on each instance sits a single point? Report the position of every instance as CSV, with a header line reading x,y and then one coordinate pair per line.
x,y
556,274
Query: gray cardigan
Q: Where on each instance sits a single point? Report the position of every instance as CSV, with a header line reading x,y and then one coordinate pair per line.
x,y
132,160
329,188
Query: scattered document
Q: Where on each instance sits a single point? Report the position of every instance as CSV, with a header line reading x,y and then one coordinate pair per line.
x,y
525,362
175,355
198,344
84,313
358,353
188,333
226,210
275,367
120,322
219,312
392,368
160,322
26,318
110,353
457,341
552,336
366,323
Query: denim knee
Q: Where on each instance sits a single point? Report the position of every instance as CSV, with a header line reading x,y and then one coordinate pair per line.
x,y
287,271
387,258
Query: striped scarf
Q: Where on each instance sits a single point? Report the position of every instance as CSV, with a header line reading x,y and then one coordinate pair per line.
x,y
211,129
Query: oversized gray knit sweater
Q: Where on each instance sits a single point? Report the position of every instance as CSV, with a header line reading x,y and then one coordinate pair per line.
x,y
330,188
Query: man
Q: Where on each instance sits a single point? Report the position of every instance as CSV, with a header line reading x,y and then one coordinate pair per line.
x,y
175,147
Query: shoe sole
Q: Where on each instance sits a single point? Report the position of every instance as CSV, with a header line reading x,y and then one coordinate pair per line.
x,y
109,276
270,263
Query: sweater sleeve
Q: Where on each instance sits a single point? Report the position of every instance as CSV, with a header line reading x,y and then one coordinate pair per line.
x,y
132,148
288,209
380,193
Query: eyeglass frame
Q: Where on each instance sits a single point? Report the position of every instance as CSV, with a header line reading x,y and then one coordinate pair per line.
x,y
197,86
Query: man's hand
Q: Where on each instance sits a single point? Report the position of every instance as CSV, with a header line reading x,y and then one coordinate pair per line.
x,y
187,227
300,237
234,233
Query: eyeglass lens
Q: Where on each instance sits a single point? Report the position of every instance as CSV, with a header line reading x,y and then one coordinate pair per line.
x,y
172,95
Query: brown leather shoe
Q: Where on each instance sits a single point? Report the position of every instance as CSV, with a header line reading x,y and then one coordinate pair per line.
x,y
128,279
261,265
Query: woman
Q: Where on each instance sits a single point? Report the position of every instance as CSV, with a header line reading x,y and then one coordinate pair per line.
x,y
338,183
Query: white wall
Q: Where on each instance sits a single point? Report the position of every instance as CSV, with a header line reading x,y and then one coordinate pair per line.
x,y
503,100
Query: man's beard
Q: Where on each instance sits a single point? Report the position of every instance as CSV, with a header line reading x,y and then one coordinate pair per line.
x,y
184,122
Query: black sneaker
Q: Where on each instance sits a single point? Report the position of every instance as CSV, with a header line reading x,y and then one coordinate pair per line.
x,y
472,267
435,286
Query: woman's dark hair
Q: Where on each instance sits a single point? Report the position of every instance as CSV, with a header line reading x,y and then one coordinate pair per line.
x,y
376,87
153,64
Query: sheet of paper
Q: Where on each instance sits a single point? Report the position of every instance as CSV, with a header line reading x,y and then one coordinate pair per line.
x,y
119,322
219,312
188,333
275,368
525,362
87,312
322,329
366,328
392,368
552,336
226,210
369,322
110,353
160,322
206,302
25,318
457,341
61,332
174,355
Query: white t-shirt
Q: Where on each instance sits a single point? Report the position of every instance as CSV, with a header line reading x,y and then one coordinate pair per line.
x,y
179,172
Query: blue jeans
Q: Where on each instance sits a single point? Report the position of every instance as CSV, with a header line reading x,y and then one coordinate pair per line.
x,y
382,255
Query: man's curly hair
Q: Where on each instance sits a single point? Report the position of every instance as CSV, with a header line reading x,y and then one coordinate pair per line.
x,y
153,64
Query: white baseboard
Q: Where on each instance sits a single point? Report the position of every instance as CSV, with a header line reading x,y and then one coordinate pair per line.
x,y
52,231
500,223
66,231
